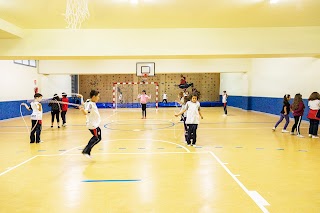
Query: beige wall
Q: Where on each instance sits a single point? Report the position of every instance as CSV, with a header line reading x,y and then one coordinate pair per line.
x,y
184,42
207,83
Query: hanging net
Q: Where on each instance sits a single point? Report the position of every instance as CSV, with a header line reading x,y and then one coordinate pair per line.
x,y
76,12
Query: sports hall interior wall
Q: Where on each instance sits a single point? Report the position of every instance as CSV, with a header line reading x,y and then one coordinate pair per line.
x,y
262,88
207,83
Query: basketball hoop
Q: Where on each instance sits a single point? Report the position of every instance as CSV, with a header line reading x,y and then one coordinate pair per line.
x,y
76,12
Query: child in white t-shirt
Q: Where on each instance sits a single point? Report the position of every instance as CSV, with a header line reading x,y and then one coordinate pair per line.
x,y
93,120
193,113
36,118
224,101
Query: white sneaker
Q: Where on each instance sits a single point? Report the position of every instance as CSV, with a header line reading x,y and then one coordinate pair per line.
x,y
224,115
188,145
273,129
313,136
284,131
87,156
64,125
300,136
291,133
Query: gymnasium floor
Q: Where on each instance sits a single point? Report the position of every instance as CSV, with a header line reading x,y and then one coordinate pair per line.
x,y
240,165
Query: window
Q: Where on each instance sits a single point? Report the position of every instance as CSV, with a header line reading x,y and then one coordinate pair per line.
x,y
31,63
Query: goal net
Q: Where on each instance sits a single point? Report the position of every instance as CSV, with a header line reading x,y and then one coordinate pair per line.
x,y
125,94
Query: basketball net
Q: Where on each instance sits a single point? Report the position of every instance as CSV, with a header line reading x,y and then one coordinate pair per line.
x,y
144,78
76,12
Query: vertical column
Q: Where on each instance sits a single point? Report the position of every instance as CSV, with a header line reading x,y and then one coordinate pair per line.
x,y
157,94
114,96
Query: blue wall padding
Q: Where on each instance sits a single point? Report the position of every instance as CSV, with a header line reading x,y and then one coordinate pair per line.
x,y
11,109
263,104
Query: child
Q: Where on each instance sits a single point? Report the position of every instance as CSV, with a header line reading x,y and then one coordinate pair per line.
x,y
192,120
284,113
64,107
143,101
120,98
36,118
297,109
93,121
55,109
164,97
224,101
314,105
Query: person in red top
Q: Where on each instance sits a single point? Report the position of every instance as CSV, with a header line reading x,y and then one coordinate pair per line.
x,y
184,84
64,108
297,109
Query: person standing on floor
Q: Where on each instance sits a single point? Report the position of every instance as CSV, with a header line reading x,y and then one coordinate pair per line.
x,y
193,113
224,101
143,101
284,114
36,118
314,114
297,109
55,109
64,108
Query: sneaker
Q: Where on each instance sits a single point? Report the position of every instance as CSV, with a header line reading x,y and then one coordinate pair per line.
x,y
188,145
51,126
284,131
273,129
64,125
300,136
291,133
193,145
87,156
224,115
41,141
314,136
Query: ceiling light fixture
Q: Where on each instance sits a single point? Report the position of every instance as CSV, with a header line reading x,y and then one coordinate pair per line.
x,y
273,1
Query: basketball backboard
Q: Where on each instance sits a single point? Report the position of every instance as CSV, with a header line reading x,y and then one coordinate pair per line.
x,y
145,68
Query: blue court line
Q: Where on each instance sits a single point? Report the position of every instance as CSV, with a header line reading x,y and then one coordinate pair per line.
x,y
99,181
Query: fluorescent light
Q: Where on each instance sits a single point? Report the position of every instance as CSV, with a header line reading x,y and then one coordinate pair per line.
x,y
273,1
134,1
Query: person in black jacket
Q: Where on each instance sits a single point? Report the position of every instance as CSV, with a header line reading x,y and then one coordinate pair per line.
x,y
55,109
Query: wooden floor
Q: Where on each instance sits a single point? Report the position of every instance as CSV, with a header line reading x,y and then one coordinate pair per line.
x,y
145,166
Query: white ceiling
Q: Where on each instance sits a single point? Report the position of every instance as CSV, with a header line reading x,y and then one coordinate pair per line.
x,y
47,14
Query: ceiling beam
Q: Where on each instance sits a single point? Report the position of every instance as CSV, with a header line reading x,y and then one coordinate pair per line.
x,y
11,29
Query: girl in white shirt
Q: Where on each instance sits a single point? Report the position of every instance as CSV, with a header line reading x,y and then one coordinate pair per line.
x,y
314,105
193,113
36,118
90,109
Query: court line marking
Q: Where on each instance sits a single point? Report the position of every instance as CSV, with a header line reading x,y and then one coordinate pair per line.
x,y
16,166
259,200
254,195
